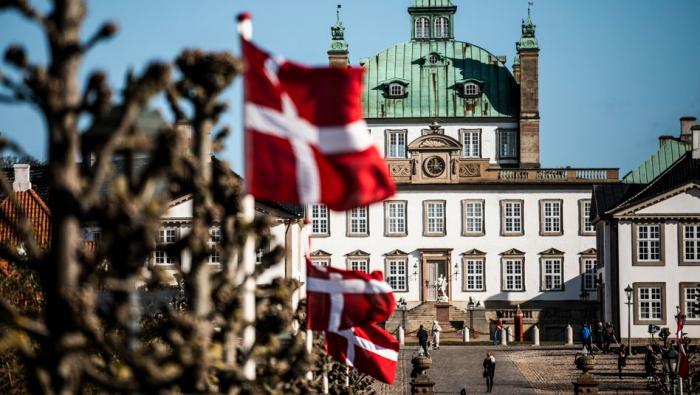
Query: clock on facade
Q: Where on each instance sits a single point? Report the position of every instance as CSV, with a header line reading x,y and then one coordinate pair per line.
x,y
434,166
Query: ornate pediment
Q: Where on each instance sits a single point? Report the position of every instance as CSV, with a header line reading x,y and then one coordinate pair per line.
x,y
396,253
513,251
473,251
434,142
552,251
321,253
590,251
357,253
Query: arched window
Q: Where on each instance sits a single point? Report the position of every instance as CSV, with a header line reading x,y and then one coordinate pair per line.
x,y
433,58
395,90
422,28
442,27
471,89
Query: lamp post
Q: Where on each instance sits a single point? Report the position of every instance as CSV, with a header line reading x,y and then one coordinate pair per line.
x,y
470,306
584,295
628,293
671,363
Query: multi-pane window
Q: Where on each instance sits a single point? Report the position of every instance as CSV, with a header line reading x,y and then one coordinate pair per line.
x,y
470,144
649,243
395,218
587,225
97,235
650,306
473,217
435,217
442,27
213,243
259,254
396,144
319,219
691,243
513,275
508,144
357,221
690,299
395,90
589,273
474,269
361,265
551,217
470,89
320,262
422,28
397,274
552,274
512,217
165,237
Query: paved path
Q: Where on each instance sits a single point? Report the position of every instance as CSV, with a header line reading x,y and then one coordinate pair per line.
x,y
457,367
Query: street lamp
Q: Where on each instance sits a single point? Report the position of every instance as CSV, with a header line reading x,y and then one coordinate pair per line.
x,y
584,295
470,306
628,293
671,363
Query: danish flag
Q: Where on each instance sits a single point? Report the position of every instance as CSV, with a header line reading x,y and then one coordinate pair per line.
x,y
306,140
340,299
683,367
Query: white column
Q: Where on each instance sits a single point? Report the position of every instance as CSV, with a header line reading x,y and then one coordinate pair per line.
x,y
535,336
248,263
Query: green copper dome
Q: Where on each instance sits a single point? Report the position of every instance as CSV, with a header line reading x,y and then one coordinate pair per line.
x,y
432,76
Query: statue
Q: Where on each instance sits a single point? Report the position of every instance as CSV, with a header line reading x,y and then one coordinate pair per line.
x,y
441,286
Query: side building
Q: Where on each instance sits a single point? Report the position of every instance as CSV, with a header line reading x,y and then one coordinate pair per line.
x,y
648,232
460,133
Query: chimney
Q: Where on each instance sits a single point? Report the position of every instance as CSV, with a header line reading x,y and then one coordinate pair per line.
x,y
686,124
695,134
663,139
22,182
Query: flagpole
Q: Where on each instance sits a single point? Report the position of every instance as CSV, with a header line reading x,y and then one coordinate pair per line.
x,y
245,30
309,332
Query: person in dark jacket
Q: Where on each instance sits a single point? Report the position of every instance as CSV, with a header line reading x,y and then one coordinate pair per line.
x,y
649,361
422,336
599,335
489,370
621,359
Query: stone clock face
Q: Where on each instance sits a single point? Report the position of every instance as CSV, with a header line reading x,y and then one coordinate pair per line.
x,y
434,166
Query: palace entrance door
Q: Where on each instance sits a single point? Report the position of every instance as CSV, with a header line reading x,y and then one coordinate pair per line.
x,y
434,263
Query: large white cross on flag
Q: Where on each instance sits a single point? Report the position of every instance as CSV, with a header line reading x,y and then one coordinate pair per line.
x,y
306,140
346,304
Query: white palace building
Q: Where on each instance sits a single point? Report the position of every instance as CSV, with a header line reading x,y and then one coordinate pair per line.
x,y
460,133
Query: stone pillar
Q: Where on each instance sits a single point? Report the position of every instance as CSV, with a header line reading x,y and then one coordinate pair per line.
x,y
465,334
529,108
535,335
569,335
420,382
401,336
504,336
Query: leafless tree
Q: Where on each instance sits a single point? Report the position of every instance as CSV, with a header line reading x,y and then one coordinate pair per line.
x,y
186,347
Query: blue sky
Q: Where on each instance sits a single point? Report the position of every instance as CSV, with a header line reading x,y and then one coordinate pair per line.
x,y
614,75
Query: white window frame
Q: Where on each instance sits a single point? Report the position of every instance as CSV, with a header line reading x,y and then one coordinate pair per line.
x,y
688,292
422,27
589,270
396,145
397,273
471,143
512,218
474,273
434,217
358,222
513,273
321,262
508,144
689,244
320,220
649,244
395,223
470,89
473,217
361,264
650,303
166,236
213,244
442,27
586,228
395,90
551,217
552,273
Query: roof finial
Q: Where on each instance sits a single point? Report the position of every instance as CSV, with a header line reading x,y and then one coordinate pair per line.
x,y
337,12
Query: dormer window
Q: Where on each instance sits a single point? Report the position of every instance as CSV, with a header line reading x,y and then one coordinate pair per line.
x,y
422,28
395,90
442,27
471,89
433,58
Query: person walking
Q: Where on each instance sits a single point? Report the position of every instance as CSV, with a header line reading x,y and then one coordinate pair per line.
x,y
422,336
497,330
489,370
586,337
621,359
599,336
609,336
435,331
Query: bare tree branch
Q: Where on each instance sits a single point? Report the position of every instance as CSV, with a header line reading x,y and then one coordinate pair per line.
x,y
107,30
12,317
24,8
